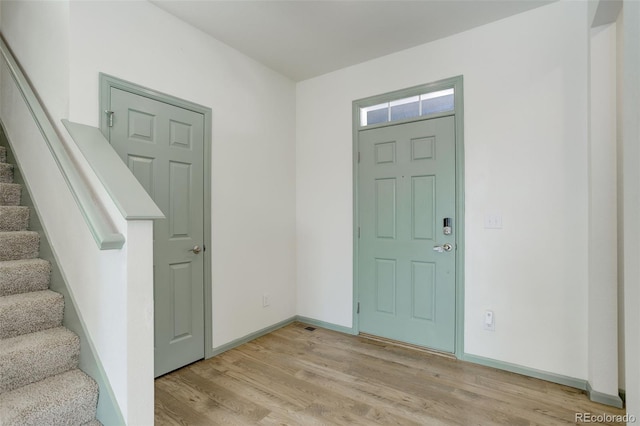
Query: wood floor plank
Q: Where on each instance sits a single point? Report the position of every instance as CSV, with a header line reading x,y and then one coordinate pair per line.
x,y
259,394
322,402
200,405
441,371
402,406
164,414
295,376
247,410
177,408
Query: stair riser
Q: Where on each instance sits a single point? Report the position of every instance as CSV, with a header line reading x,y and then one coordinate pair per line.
x,y
39,380
14,218
24,276
31,315
10,194
6,173
35,356
19,245
66,399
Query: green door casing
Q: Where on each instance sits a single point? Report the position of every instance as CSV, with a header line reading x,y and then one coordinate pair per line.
x,y
406,189
163,145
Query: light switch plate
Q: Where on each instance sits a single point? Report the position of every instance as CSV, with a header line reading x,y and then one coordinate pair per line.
x,y
493,221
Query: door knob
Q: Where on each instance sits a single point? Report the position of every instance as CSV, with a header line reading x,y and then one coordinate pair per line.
x,y
443,248
196,249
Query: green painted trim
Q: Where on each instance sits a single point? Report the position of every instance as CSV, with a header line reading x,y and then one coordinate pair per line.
x,y
256,334
327,325
108,410
107,82
526,371
408,120
355,120
252,336
105,235
604,398
457,84
126,192
208,219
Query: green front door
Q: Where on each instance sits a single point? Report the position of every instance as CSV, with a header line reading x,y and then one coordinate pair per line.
x,y
163,145
406,190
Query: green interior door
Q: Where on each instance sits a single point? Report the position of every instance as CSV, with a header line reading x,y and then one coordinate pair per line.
x,y
163,145
406,189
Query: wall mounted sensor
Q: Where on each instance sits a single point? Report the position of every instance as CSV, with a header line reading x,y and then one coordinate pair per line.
x,y
489,321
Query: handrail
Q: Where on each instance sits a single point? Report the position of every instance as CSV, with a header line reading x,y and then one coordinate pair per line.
x,y
126,192
103,232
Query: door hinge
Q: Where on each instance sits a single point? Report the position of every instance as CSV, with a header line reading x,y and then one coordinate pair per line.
x,y
358,156
358,232
358,309
109,118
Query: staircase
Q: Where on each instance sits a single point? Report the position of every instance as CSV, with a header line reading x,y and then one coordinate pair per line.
x,y
40,383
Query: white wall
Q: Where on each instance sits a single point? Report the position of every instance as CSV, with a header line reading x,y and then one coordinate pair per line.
x,y
253,188
100,282
525,110
603,214
38,33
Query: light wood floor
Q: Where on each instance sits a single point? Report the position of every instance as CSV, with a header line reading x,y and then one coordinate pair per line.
x,y
298,377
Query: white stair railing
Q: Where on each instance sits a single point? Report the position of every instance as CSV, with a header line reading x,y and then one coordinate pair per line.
x,y
102,230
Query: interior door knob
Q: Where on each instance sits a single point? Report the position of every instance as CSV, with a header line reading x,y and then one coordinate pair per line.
x,y
443,248
196,249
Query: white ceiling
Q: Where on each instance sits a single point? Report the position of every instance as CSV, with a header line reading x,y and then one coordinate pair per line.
x,y
306,38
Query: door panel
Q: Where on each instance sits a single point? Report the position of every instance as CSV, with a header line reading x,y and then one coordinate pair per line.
x,y
386,286
423,215
163,145
386,208
406,187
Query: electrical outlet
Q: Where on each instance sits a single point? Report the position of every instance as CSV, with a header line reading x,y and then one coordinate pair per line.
x,y
489,321
265,300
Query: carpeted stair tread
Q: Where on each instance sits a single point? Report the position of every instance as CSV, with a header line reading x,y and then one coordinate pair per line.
x,y
24,276
65,399
6,173
16,245
30,312
14,218
10,194
31,357
40,383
